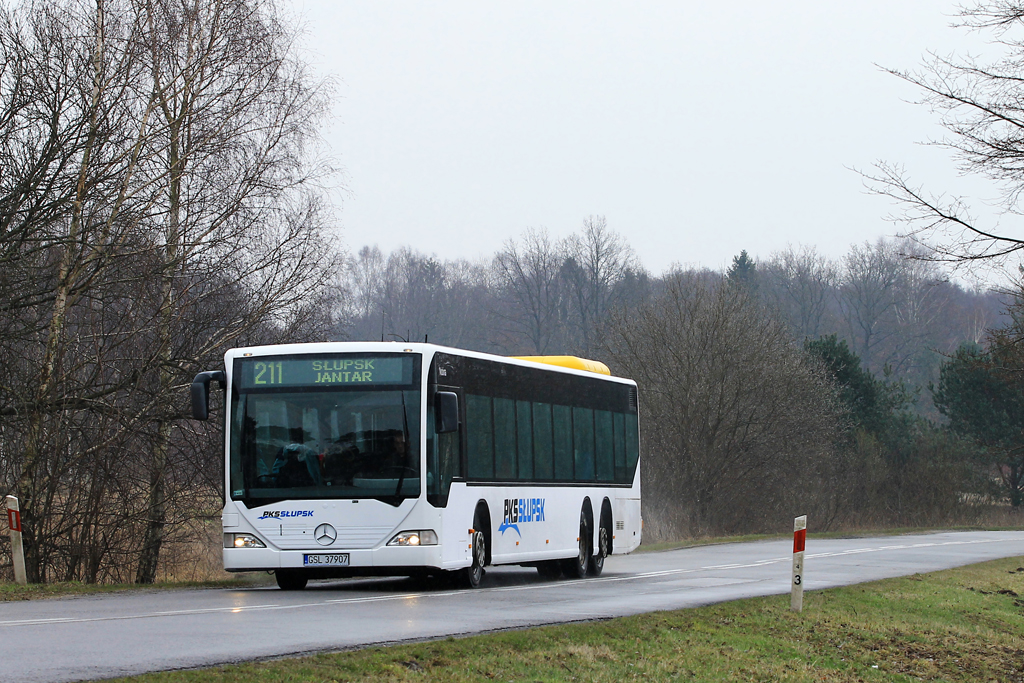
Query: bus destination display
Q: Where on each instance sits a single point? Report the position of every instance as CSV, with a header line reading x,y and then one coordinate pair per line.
x,y
258,373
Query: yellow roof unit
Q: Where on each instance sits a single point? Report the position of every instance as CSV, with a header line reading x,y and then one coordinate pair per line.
x,y
570,362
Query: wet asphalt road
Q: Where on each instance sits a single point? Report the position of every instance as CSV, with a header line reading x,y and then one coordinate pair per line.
x,y
104,636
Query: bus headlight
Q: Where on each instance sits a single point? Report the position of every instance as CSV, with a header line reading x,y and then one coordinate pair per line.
x,y
413,538
242,541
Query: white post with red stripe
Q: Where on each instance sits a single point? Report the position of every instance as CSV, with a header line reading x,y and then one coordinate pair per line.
x,y
796,598
17,549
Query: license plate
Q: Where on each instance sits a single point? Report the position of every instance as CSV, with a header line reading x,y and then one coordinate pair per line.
x,y
332,559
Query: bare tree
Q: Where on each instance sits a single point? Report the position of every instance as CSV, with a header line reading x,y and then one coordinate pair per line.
x,y
365,274
871,279
238,109
73,131
801,283
529,278
160,199
982,107
892,305
731,410
408,295
596,260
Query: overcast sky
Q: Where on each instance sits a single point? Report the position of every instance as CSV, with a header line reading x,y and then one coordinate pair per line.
x,y
696,128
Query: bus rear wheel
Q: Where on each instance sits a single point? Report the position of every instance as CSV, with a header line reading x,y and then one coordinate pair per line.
x,y
577,567
597,561
290,580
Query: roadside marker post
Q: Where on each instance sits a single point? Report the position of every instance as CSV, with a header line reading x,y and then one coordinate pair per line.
x,y
796,597
17,549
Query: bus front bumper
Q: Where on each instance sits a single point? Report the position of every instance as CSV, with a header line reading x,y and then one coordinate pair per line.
x,y
266,559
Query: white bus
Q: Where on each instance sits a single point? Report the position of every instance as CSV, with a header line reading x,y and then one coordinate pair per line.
x,y
362,458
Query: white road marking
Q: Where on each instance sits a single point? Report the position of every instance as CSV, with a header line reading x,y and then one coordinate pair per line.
x,y
170,613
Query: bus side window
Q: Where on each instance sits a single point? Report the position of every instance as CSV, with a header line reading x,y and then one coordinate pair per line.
x,y
620,449
504,439
544,464
524,440
563,442
583,443
603,445
632,446
479,438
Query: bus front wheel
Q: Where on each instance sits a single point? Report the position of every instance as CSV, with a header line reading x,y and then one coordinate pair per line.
x,y
474,573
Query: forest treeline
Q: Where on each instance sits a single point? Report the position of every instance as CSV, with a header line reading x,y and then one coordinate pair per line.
x,y
162,200
794,382
539,295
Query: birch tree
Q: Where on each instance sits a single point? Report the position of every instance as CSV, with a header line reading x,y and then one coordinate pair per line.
x,y
238,209
71,195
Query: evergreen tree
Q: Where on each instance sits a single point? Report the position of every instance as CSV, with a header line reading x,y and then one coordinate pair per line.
x,y
874,405
743,271
982,394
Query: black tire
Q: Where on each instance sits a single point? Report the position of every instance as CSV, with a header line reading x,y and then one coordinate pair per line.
x,y
473,575
577,567
550,569
603,545
290,580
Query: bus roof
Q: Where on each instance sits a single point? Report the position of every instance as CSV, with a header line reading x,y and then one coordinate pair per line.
x,y
571,364
574,362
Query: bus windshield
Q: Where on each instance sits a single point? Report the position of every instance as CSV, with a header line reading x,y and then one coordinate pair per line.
x,y
331,443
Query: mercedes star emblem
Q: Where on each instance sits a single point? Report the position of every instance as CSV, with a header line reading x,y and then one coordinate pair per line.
x,y
325,534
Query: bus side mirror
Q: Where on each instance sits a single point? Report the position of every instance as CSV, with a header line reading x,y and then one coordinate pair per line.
x,y
446,412
201,392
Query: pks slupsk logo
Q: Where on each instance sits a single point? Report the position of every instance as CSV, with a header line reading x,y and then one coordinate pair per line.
x,y
521,511
281,514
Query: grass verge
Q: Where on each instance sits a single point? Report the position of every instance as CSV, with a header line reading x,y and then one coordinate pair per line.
x,y
964,624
